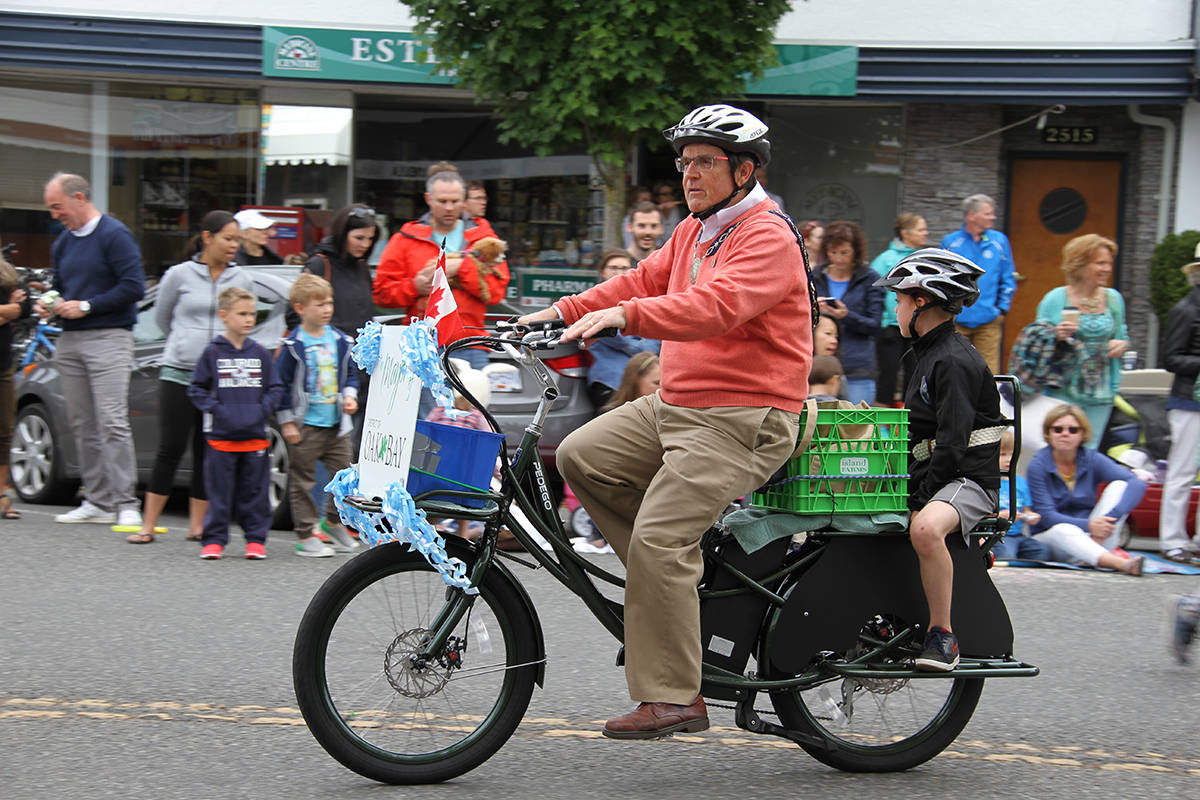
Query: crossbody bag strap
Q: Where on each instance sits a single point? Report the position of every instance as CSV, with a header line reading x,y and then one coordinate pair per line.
x,y
812,290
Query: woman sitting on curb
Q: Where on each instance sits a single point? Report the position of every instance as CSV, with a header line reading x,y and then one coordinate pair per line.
x,y
1064,478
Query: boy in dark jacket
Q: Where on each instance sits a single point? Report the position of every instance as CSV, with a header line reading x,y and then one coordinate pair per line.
x,y
954,427
320,395
236,388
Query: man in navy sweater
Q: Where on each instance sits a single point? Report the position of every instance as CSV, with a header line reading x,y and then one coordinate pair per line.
x,y
98,275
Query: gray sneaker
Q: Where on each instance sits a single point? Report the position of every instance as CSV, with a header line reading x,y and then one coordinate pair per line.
x,y
341,539
88,512
312,547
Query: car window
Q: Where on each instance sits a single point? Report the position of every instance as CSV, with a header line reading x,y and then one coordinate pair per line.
x,y
269,316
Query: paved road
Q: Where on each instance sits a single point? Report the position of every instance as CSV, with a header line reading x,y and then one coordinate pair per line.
x,y
143,672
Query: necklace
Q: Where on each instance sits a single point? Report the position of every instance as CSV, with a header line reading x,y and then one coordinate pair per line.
x,y
1092,303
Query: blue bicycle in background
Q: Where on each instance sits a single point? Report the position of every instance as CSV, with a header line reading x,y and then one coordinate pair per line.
x,y
39,346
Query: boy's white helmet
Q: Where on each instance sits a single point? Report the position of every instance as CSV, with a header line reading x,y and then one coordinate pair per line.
x,y
945,276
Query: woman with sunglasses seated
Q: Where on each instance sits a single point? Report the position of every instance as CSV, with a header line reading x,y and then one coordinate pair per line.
x,y
1064,478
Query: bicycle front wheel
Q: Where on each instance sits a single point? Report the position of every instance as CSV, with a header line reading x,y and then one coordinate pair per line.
x,y
879,724
383,711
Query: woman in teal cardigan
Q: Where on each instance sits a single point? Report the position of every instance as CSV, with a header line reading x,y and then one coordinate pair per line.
x,y
911,232
1100,335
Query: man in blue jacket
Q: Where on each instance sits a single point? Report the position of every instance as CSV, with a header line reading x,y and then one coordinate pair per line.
x,y
982,323
98,274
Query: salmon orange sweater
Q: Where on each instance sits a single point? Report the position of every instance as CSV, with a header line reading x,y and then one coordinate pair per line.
x,y
741,335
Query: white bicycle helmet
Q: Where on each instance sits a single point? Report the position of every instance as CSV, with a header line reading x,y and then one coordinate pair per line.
x,y
727,127
948,277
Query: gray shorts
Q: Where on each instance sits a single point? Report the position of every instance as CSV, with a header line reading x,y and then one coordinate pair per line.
x,y
970,500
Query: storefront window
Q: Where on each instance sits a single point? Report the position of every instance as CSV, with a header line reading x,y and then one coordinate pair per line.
x,y
545,208
838,162
158,157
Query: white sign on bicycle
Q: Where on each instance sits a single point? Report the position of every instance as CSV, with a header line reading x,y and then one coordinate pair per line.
x,y
390,419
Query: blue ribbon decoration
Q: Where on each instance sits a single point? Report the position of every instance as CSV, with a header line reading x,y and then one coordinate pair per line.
x,y
407,523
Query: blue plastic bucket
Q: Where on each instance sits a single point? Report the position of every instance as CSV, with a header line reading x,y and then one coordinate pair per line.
x,y
449,457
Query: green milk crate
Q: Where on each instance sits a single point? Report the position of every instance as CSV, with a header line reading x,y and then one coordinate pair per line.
x,y
855,463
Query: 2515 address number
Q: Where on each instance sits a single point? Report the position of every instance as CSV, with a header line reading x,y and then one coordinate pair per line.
x,y
1070,134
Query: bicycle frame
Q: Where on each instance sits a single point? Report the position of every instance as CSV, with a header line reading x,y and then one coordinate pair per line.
x,y
40,336
526,471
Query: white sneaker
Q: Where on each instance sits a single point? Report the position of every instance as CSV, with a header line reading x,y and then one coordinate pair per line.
x,y
312,547
129,517
591,549
341,539
89,512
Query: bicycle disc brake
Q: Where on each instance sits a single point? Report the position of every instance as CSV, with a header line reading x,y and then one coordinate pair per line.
x,y
414,675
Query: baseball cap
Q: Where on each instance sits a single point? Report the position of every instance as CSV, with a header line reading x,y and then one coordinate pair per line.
x,y
249,218
1188,269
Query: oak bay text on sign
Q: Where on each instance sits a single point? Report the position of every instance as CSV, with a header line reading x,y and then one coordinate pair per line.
x,y
383,448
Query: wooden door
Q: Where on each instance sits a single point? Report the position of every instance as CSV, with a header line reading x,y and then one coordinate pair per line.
x,y
1052,201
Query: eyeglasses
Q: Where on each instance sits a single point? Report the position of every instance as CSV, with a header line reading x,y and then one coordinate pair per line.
x,y
361,212
703,163
1065,428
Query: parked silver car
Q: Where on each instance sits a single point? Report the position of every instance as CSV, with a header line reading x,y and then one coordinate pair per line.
x,y
514,399
45,457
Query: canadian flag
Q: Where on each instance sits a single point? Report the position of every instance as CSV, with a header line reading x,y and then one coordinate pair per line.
x,y
441,309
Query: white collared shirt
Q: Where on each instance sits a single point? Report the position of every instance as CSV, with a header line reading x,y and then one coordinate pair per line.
x,y
86,228
720,220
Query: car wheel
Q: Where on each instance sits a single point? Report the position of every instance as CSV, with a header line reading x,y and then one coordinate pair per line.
x,y
36,458
281,510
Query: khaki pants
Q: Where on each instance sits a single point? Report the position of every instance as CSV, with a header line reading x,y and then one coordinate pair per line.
x,y
316,444
654,477
986,338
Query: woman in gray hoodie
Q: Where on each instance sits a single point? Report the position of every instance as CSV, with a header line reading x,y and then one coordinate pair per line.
x,y
186,311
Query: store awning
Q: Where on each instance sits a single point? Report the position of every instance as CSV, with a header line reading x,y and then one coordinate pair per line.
x,y
306,135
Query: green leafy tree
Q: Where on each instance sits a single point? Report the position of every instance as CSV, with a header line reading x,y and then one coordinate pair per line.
x,y
1167,284
595,75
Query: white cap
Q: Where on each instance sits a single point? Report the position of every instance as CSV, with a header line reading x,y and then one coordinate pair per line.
x,y
249,218
477,384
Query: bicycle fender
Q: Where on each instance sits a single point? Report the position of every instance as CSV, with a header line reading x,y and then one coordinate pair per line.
x,y
467,554
856,577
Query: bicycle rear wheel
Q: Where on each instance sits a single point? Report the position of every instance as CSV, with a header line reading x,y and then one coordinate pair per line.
x,y
879,724
382,713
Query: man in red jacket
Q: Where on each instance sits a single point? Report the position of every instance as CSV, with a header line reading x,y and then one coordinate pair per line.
x,y
728,295
405,274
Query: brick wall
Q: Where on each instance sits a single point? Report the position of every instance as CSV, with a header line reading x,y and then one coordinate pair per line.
x,y
935,178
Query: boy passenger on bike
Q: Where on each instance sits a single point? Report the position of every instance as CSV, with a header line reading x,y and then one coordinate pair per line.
x,y
729,297
954,426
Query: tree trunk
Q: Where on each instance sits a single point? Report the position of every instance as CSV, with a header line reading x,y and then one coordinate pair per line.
x,y
614,210
614,175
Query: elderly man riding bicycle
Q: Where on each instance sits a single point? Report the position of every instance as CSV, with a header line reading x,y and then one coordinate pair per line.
x,y
729,297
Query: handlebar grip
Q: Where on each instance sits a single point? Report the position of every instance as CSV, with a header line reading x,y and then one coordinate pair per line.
x,y
544,325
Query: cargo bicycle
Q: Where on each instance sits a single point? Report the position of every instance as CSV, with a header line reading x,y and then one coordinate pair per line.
x,y
404,679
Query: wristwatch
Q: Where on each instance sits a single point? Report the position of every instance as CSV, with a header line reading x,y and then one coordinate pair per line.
x,y
85,307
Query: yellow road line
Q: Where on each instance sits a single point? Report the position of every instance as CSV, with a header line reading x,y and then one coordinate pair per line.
x,y
30,709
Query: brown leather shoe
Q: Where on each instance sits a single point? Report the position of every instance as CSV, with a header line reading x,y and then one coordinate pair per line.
x,y
655,720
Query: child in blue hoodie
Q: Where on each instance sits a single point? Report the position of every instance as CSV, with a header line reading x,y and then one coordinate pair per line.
x,y
236,388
